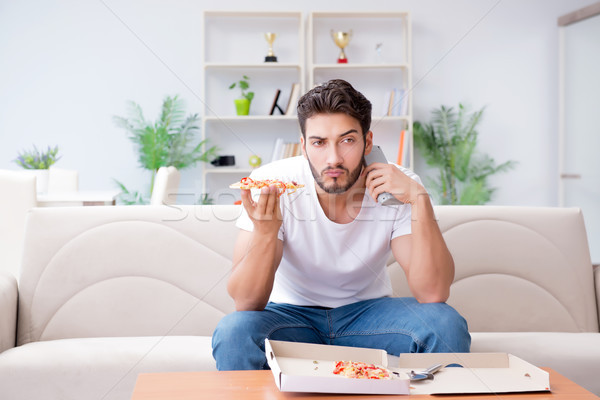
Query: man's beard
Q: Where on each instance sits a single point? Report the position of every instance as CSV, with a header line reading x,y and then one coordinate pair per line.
x,y
336,187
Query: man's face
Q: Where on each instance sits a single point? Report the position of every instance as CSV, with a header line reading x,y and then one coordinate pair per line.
x,y
335,150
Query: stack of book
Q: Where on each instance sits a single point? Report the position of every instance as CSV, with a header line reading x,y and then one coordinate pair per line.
x,y
293,99
285,149
396,103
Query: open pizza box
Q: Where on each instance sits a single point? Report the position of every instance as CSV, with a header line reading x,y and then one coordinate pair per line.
x,y
306,367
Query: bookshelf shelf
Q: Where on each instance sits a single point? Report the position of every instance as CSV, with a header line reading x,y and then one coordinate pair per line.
x,y
404,118
361,66
225,170
257,118
252,66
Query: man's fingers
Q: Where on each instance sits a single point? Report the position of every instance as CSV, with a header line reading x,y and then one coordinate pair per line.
x,y
272,201
373,173
247,200
261,206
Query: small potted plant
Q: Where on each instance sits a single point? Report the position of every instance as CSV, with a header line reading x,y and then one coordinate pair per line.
x,y
242,105
38,163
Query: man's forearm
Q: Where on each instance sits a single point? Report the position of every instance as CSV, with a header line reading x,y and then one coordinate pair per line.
x,y
431,267
251,280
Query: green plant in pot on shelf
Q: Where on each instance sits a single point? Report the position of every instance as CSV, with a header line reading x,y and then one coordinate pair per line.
x,y
38,162
449,144
242,104
169,141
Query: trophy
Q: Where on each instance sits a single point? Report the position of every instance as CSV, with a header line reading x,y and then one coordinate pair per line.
x,y
341,39
270,37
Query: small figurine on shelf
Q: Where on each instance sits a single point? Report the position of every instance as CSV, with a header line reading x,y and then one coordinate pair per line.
x,y
378,51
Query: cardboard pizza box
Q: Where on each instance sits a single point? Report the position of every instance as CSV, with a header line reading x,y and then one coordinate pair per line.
x,y
306,367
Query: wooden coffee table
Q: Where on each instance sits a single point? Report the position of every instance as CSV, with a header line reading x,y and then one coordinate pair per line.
x,y
255,385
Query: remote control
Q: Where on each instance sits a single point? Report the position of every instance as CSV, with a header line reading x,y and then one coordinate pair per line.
x,y
376,155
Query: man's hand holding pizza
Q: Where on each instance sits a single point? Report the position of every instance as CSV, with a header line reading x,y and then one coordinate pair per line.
x,y
264,213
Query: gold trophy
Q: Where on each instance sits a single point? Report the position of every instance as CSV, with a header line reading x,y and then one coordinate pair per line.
x,y
270,37
341,39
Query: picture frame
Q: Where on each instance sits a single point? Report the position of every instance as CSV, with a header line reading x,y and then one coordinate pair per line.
x,y
275,106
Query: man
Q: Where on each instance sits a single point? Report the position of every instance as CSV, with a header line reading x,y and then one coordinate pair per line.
x,y
311,266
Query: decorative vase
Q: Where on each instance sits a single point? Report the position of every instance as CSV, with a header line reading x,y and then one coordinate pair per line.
x,y
242,106
41,179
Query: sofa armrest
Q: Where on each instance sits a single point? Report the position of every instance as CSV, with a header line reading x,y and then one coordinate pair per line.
x,y
597,282
8,311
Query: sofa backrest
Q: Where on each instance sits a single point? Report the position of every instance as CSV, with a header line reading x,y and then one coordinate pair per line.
x,y
125,271
153,271
517,268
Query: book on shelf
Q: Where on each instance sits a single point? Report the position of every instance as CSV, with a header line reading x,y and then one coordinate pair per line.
x,y
388,103
277,149
285,149
404,149
396,103
293,99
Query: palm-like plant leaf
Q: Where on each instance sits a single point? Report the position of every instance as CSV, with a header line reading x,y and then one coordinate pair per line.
x,y
173,113
449,144
168,141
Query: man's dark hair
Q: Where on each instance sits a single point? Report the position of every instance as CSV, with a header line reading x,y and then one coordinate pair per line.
x,y
332,97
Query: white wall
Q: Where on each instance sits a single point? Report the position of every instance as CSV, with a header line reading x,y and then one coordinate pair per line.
x,y
66,67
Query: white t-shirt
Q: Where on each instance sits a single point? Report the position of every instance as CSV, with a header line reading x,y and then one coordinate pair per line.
x,y
325,263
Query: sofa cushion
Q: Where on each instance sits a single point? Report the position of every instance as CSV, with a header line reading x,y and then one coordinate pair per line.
x,y
96,368
574,355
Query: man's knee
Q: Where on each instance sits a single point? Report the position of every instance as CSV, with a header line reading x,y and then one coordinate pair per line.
x,y
236,326
237,342
450,332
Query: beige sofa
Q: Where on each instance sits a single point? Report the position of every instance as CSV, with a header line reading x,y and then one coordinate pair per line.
x,y
109,292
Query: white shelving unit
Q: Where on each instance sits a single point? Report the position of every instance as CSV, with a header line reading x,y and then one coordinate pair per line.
x,y
233,46
372,73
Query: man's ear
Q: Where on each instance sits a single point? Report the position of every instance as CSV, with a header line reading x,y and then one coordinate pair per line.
x,y
368,142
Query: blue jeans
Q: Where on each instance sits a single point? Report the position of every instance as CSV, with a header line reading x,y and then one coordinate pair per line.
x,y
397,325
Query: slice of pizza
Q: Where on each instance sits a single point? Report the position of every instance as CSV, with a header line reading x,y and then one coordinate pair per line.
x,y
360,370
248,183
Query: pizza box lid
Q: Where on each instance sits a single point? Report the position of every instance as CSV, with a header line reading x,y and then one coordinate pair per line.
x,y
480,373
306,367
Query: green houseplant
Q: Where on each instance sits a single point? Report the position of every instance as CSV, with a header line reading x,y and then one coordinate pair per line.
x,y
242,104
37,163
449,144
167,141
